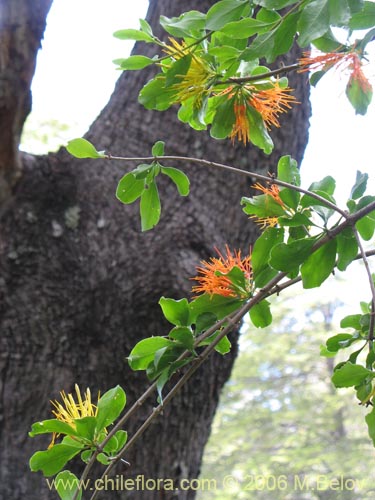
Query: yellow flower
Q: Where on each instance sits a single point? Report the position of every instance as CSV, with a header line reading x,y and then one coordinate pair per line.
x,y
69,410
196,81
211,282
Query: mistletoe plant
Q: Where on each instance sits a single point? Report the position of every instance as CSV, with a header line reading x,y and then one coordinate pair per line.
x,y
210,68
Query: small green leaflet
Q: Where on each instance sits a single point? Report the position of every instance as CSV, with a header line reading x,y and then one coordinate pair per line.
x,y
82,148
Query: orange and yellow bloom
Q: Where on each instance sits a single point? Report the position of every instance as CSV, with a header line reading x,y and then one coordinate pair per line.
x,y
210,275
69,409
273,191
269,103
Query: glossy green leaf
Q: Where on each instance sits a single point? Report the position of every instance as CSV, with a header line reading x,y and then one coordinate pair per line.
x,y
327,43
224,12
179,178
150,207
347,248
66,484
350,375
261,46
184,336
363,19
284,36
86,427
339,12
144,351
275,4
145,27
319,265
134,62
339,341
82,148
110,405
359,93
223,346
351,321
158,148
288,256
175,311
244,28
185,25
258,131
313,22
131,34
223,120
260,314
215,304
287,171
370,421
296,220
103,459
52,425
129,188
261,254
51,461
204,321
154,95
360,185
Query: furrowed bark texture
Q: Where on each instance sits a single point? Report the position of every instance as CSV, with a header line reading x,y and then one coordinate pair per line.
x,y
80,283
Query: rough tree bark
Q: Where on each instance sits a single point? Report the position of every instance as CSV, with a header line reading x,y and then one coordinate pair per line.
x,y
80,283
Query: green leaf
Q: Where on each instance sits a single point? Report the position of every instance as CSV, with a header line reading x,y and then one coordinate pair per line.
x,y
313,22
184,336
86,427
370,421
262,272
175,311
350,375
360,185
134,62
215,304
347,248
158,148
258,131
223,346
244,28
204,321
131,34
260,314
275,4
326,185
224,12
179,178
51,461
261,46
81,148
351,321
145,27
102,458
287,257
287,171
129,188
150,207
365,18
122,437
110,405
186,25
223,120
66,484
327,43
284,36
52,425
339,341
154,95
359,92
144,352
319,265
339,12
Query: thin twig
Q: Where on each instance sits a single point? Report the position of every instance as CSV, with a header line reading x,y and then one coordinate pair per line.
x,y
235,170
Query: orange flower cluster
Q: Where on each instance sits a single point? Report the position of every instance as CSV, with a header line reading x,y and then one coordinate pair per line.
x,y
212,282
269,103
344,60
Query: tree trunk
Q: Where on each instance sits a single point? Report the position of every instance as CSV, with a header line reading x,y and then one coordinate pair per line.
x,y
80,284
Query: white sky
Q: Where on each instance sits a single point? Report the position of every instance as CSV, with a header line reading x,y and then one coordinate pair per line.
x,y
75,77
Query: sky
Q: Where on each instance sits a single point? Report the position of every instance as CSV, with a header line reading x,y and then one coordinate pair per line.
x,y
75,77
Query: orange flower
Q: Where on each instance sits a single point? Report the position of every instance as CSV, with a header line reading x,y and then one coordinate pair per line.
x,y
271,102
212,282
241,127
323,61
357,75
273,191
